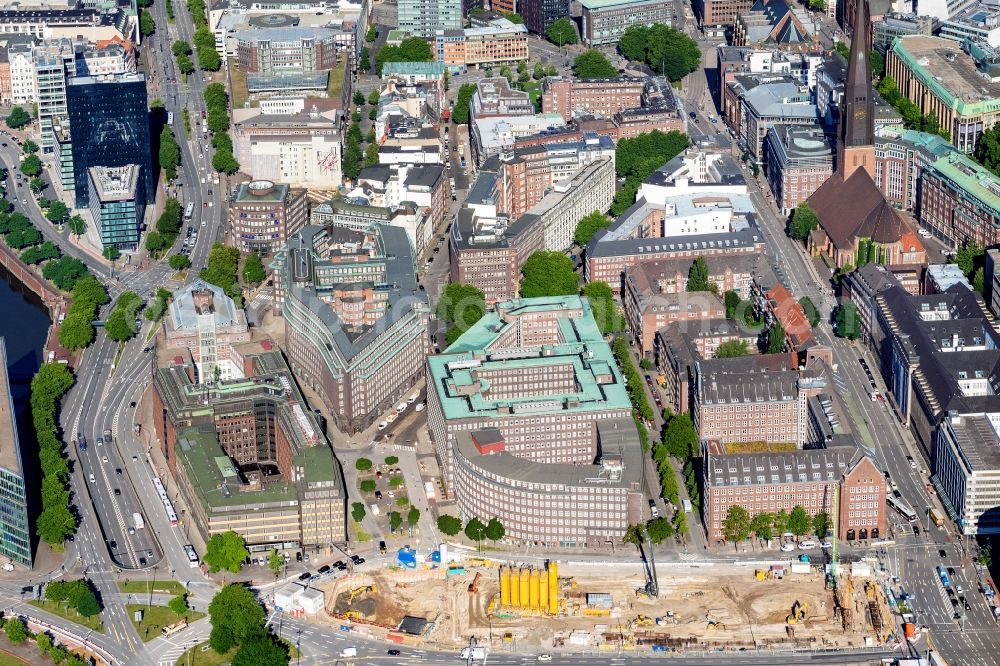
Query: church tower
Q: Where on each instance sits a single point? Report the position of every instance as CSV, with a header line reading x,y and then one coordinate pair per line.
x,y
856,144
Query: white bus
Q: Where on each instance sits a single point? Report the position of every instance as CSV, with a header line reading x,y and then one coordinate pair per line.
x,y
170,118
901,508
191,555
171,515
189,211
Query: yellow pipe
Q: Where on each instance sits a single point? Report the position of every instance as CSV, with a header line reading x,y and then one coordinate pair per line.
x,y
515,588
543,592
533,590
553,588
504,587
525,584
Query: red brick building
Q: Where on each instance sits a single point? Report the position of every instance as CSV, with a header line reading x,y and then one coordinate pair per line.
x,y
601,97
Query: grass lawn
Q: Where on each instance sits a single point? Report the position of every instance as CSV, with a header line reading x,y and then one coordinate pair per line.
x,y
239,82
335,83
70,614
159,587
534,90
203,655
7,659
154,618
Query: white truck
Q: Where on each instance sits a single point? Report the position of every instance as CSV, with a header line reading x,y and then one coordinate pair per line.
x,y
349,652
475,653
429,490
137,520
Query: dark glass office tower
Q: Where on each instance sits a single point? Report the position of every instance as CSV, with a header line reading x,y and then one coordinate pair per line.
x,y
109,127
538,14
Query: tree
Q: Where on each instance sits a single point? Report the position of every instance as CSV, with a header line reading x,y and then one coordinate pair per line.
x,y
395,520
358,98
968,257
736,525
371,155
372,34
495,530
221,269
412,516
275,562
364,61
780,522
363,464
64,272
31,166
776,338
848,323
680,437
475,530
538,73
253,269
592,64
562,32
178,604
821,524
548,273
589,225
40,253
226,551
170,153
659,530
146,24
180,47
110,252
606,312
29,147
665,49
236,609
812,312
358,511
413,49
698,276
798,521
221,639
732,300
843,49
732,349
37,185
179,262
367,486
373,97
449,525
876,61
18,118
76,331
987,150
16,630
57,212
460,307
985,557
460,113
804,221
261,650
762,526
392,460
87,605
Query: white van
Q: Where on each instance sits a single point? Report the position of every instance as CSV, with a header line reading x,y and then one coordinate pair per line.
x,y
349,652
92,479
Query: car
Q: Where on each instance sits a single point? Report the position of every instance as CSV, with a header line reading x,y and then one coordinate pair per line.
x,y
378,494
958,588
118,471
92,479
967,605
826,545
104,459
117,492
323,569
787,547
112,544
693,114
383,425
807,545
135,458
943,553
951,571
131,530
132,404
392,652
381,547
954,602
142,561
339,564
420,406
298,556
361,560
545,657
305,575
100,441
355,558
916,530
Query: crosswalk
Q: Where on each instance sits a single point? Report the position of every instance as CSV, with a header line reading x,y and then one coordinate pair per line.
x,y
262,297
689,557
841,384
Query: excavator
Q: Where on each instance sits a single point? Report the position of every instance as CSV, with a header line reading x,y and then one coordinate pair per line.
x,y
358,591
798,613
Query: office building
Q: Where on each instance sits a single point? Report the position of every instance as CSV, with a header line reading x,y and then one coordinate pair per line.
x,y
840,481
720,12
117,202
960,201
286,51
799,160
773,103
977,22
596,501
538,14
947,83
893,25
491,45
536,369
600,97
264,215
423,185
605,21
590,189
206,324
493,135
495,98
355,214
423,18
991,280
901,156
301,149
248,455
355,321
20,62
967,471
109,123
15,543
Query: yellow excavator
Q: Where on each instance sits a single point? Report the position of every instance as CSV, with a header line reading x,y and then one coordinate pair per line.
x,y
798,613
364,589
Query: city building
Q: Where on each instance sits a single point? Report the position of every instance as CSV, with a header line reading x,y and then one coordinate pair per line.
x,y
939,278
286,51
900,158
492,135
978,22
720,12
117,203
423,185
206,324
596,500
51,62
491,45
109,124
799,160
777,304
538,14
600,97
782,101
605,21
648,310
412,73
776,24
960,201
423,18
248,455
893,25
854,216
991,280
264,215
967,470
536,369
589,190
495,98
93,22
862,285
353,213
20,62
14,521
945,82
355,321
301,149
840,481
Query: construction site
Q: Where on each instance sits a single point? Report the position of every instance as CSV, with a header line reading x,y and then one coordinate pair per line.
x,y
693,608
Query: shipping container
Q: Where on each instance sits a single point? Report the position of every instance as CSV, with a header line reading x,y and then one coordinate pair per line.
x,y
599,599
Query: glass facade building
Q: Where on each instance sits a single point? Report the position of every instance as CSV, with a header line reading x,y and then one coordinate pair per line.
x,y
109,118
15,530
117,204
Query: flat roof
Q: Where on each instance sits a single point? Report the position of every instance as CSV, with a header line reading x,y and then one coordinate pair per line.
x,y
10,454
942,66
612,4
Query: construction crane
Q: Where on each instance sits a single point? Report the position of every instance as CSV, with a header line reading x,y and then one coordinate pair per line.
x,y
652,587
836,536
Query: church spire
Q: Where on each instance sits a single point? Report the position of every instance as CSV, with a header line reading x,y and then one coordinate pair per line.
x,y
857,118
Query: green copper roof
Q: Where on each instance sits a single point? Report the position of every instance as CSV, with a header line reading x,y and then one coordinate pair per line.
x,y
972,179
935,83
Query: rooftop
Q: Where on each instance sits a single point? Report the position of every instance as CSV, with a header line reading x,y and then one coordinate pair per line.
x,y
185,308
976,435
295,34
942,66
614,4
972,178
262,191
10,448
115,183
775,467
